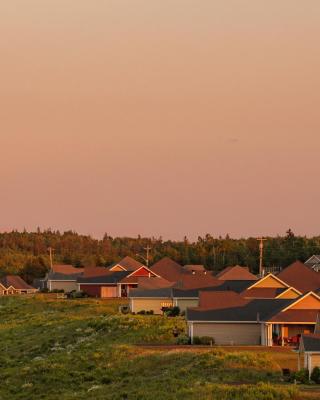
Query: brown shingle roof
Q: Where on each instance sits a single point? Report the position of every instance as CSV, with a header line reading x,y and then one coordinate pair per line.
x,y
220,300
236,273
168,269
66,269
194,267
197,280
300,277
296,316
15,281
263,293
128,263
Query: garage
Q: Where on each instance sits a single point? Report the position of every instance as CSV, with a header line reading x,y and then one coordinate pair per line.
x,y
228,333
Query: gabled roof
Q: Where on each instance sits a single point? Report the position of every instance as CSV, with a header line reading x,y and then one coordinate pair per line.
x,y
310,343
219,300
236,273
168,269
302,298
196,280
16,282
152,283
251,311
127,264
301,277
267,277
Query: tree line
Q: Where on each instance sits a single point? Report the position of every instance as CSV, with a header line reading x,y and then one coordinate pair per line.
x,y
26,253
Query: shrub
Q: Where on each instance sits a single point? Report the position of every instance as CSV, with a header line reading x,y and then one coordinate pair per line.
x,y
78,295
171,311
315,375
141,312
196,340
204,340
302,376
183,339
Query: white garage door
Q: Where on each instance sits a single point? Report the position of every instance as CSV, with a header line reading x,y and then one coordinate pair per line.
x,y
230,334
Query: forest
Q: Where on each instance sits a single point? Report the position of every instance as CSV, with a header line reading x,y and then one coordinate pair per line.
x,y
26,253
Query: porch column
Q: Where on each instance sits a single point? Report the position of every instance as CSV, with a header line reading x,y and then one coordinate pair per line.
x,y
282,334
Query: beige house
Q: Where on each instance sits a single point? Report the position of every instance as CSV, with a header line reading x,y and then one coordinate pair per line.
x,y
269,322
157,299
61,277
310,347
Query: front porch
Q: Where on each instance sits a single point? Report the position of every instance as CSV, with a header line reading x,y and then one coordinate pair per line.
x,y
284,334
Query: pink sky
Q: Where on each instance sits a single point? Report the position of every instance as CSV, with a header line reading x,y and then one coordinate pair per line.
x,y
170,118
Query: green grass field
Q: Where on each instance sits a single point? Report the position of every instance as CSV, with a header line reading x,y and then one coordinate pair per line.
x,y
84,349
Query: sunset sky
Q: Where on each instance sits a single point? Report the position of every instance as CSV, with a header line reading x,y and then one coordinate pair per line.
x,y
171,117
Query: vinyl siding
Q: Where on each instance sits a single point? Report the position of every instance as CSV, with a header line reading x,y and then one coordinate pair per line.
x,y
149,304
229,334
184,303
270,282
66,286
315,361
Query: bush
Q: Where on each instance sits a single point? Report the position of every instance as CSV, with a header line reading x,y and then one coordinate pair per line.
x,y
183,339
171,311
315,375
78,295
141,312
204,340
302,376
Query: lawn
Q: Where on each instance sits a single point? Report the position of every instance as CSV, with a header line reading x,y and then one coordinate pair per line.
x,y
84,349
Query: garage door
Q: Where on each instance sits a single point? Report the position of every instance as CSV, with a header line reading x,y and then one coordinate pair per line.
x,y
109,291
230,334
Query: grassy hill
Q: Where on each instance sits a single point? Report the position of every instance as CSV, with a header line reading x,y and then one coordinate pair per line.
x,y
84,349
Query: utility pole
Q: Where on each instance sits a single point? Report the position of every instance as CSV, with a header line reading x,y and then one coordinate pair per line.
x,y
51,250
261,269
145,259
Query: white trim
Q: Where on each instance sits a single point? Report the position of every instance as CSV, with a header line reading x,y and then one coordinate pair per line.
x,y
265,277
302,298
62,280
148,269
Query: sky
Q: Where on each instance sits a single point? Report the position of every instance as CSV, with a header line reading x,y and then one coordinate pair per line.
x,y
160,118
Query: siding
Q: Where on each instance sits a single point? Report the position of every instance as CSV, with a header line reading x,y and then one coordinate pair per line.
x,y
91,290
315,361
226,334
149,304
270,282
184,303
66,286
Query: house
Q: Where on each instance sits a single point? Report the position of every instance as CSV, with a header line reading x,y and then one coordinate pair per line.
x,y
254,321
236,273
14,284
60,277
313,262
126,264
270,287
105,282
310,347
301,277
